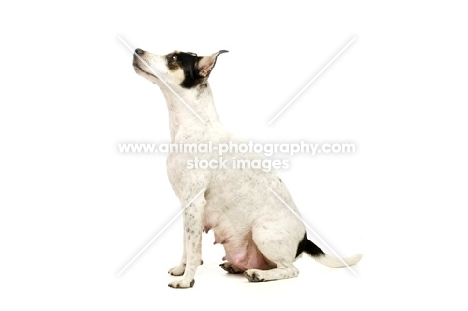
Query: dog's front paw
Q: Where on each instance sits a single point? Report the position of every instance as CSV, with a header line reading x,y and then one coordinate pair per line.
x,y
178,270
254,275
182,283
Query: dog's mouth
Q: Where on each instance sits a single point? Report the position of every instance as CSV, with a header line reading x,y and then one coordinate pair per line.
x,y
140,66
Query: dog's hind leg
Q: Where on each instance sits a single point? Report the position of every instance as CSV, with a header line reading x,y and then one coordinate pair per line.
x,y
284,270
279,247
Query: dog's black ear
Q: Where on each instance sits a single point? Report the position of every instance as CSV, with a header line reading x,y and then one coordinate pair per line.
x,y
207,63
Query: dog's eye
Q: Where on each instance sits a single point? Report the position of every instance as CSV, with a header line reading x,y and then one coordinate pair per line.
x,y
174,57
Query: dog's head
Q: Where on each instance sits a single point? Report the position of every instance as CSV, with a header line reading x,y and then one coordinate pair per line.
x,y
178,68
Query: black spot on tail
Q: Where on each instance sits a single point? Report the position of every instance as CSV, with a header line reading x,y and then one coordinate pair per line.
x,y
308,247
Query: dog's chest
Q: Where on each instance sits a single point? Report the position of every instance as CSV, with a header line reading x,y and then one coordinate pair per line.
x,y
180,176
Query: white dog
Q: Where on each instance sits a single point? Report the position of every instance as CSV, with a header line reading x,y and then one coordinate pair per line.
x,y
261,236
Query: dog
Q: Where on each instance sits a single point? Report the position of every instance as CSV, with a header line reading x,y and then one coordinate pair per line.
x,y
260,235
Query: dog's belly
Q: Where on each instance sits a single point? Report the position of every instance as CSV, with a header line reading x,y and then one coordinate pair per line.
x,y
241,250
236,202
246,257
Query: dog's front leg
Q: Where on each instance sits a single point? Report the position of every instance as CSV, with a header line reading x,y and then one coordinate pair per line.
x,y
193,223
180,269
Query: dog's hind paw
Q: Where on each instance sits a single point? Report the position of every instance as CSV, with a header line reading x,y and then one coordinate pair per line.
x,y
182,283
230,268
254,275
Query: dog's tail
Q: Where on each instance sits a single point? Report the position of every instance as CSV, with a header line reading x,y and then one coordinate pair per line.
x,y
313,250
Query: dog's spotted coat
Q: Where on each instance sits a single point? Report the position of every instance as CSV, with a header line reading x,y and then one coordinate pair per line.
x,y
261,237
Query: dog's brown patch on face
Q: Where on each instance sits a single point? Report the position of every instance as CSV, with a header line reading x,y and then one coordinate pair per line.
x,y
193,69
186,62
172,61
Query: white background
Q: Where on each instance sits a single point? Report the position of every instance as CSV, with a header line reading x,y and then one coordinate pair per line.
x,y
74,211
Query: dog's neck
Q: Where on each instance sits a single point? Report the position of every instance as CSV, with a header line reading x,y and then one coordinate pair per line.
x,y
184,125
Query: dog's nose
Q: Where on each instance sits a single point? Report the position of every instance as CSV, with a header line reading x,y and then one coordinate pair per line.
x,y
139,51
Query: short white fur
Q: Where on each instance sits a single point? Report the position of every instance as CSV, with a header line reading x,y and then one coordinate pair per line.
x,y
254,227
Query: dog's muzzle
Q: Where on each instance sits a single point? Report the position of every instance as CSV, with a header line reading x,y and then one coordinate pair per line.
x,y
141,66
137,60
